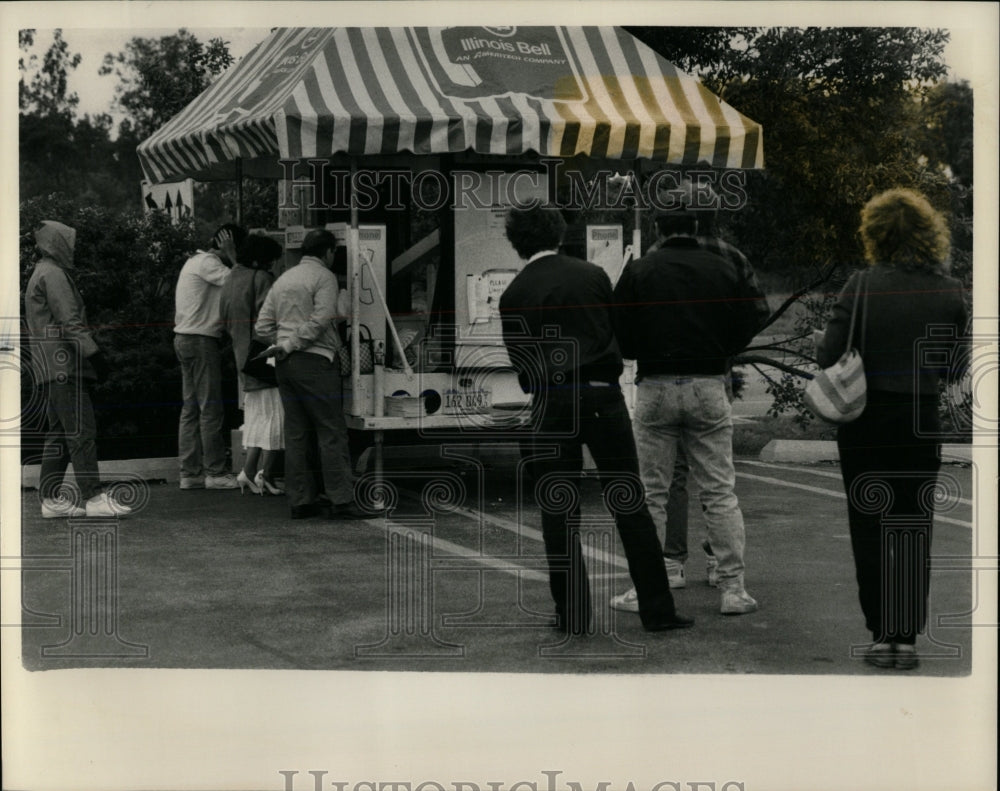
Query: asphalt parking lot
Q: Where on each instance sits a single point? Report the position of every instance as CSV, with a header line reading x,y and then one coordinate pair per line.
x,y
452,579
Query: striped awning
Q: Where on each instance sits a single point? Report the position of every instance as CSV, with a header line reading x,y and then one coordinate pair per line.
x,y
554,91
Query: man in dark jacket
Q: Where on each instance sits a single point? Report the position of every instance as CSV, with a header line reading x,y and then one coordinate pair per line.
x,y
66,362
681,313
557,329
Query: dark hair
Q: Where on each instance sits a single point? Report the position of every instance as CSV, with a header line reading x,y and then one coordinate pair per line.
x,y
258,251
238,232
685,223
532,230
318,241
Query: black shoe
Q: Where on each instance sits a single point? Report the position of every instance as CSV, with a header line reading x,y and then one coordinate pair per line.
x,y
675,621
305,511
349,510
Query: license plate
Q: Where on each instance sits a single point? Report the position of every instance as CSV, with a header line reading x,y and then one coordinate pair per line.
x,y
468,402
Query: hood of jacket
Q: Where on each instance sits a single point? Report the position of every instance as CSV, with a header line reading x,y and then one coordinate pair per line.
x,y
56,241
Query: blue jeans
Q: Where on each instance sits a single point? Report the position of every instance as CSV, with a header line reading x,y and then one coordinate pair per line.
x,y
200,444
695,411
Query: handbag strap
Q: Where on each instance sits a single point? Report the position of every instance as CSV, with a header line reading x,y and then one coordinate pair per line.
x,y
858,295
362,329
864,311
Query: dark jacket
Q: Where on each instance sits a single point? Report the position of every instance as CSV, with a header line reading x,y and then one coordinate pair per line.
x,y
915,333
556,322
239,305
686,309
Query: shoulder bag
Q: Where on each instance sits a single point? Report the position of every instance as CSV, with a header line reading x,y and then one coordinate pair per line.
x,y
838,394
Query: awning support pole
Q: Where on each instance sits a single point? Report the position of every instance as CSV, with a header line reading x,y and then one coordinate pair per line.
x,y
637,226
353,260
239,190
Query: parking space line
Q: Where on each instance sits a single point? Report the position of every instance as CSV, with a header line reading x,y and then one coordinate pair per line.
x,y
452,548
821,473
832,493
528,532
810,470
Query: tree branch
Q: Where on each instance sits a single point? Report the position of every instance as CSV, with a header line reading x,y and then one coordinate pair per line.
x,y
825,274
753,359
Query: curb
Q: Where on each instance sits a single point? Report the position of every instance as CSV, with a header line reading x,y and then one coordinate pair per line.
x,y
805,451
126,469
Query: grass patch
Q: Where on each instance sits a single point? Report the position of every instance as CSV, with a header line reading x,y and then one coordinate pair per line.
x,y
750,438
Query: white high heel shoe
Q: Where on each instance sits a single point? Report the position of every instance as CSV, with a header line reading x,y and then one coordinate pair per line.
x,y
245,483
264,486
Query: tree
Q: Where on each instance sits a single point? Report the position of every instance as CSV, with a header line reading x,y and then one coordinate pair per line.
x,y
159,77
847,112
43,90
837,106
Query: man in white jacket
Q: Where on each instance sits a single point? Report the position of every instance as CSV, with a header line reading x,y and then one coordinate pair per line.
x,y
299,316
197,341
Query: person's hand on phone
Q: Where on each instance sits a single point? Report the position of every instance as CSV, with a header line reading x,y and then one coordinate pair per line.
x,y
227,246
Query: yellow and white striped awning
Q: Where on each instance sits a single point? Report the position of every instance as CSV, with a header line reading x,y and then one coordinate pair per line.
x,y
555,91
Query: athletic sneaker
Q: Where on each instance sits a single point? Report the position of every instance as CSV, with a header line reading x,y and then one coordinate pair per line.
x,y
103,505
227,481
196,482
711,565
629,600
59,509
626,602
735,599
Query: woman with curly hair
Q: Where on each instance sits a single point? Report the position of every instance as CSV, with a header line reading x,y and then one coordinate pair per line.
x,y
910,335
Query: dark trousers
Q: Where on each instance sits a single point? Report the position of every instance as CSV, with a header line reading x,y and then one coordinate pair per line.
x,y
565,421
888,476
314,418
71,437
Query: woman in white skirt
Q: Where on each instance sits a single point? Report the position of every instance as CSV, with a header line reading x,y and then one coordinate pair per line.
x,y
263,416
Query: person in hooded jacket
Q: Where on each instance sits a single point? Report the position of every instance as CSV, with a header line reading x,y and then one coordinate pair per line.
x,y
67,362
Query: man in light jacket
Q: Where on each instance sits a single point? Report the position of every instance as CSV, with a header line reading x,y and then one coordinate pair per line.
x,y
299,316
198,344
66,362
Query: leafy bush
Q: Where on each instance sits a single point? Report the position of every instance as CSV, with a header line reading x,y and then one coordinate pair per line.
x,y
126,268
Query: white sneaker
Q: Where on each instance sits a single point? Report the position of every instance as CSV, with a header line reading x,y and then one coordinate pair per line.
x,y
736,601
102,505
675,573
59,509
627,602
196,482
226,481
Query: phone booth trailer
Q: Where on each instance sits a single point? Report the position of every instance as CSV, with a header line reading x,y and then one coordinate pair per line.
x,y
410,144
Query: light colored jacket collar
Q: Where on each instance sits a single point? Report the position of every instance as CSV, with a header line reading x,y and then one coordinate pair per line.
x,y
542,254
